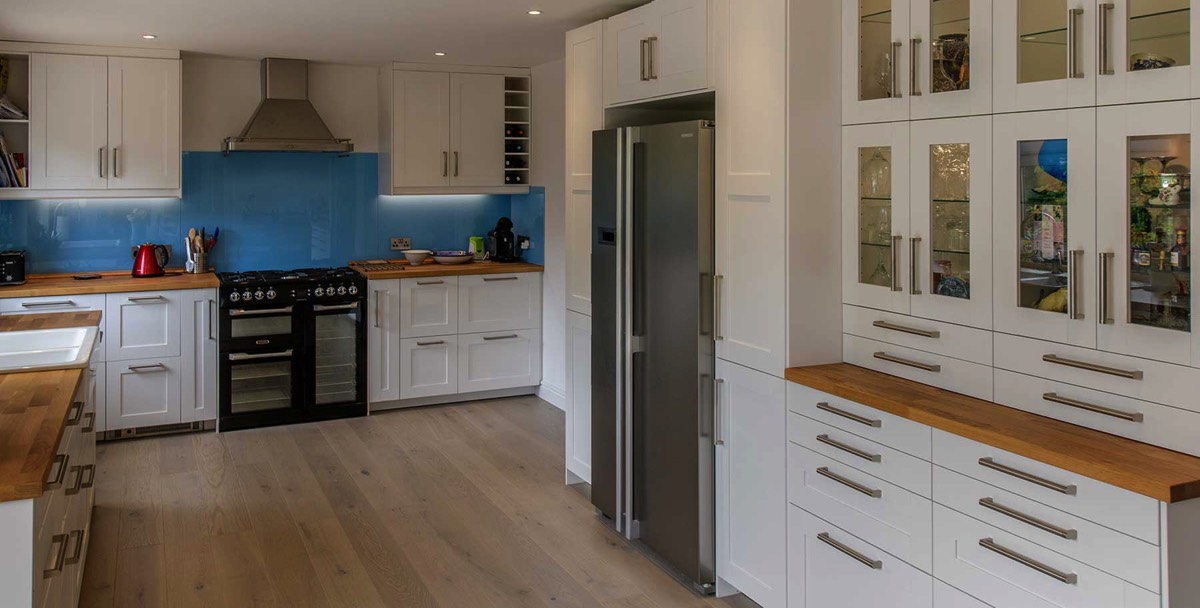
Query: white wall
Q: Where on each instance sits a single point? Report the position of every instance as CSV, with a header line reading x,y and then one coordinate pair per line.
x,y
220,94
549,170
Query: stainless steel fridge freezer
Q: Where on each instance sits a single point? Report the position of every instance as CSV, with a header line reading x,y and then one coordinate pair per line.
x,y
653,458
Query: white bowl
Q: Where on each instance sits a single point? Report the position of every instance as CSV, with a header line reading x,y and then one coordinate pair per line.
x,y
417,256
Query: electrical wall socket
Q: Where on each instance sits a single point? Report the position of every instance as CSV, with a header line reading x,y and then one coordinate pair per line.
x,y
401,243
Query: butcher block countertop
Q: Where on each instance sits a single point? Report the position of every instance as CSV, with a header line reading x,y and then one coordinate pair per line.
x,y
33,410
109,282
1138,467
400,269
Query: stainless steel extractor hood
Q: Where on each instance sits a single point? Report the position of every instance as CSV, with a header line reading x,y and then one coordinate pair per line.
x,y
285,120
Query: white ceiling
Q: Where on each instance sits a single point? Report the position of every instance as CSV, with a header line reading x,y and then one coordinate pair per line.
x,y
479,32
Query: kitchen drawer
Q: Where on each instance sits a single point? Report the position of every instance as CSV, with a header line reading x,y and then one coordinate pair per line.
x,y
945,596
499,360
428,307
892,466
52,304
1113,552
867,422
142,325
1152,423
143,393
1173,385
885,515
840,569
1003,581
957,341
1096,501
499,302
428,366
944,372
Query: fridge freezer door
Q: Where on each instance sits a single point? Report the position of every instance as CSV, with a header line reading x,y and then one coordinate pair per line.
x,y
607,344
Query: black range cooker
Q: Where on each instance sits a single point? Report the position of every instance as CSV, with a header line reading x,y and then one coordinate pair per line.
x,y
293,347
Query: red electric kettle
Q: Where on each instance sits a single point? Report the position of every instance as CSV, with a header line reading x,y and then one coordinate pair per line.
x,y
149,260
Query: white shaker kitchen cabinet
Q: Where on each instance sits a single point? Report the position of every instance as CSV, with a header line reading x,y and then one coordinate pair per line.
x,y
428,307
142,325
584,114
476,129
627,38
579,396
143,393
951,41
950,232
1144,230
1147,51
750,429
497,302
499,360
383,341
144,123
428,367
68,144
1044,218
420,129
875,61
678,55
875,216
1045,54
198,380
98,370
751,184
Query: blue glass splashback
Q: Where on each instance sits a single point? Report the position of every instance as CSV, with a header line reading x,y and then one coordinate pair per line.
x,y
275,210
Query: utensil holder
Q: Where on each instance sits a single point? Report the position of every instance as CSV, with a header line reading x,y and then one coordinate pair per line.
x,y
199,263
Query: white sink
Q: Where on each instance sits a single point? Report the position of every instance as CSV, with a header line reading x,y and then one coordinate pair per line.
x,y
46,349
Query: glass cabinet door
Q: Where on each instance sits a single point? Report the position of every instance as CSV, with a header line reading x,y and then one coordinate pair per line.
x,y
1044,242
950,258
875,61
1146,51
1145,226
875,215
952,43
1045,54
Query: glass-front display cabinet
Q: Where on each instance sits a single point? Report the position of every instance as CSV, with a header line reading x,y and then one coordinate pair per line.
x,y
1044,243
1045,54
1144,231
1146,51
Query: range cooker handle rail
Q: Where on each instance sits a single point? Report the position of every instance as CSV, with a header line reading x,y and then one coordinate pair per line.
x,y
253,357
239,312
324,308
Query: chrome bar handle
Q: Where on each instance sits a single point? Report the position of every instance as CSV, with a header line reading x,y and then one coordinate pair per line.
x,y
914,283
642,64
249,357
60,556
378,306
717,438
432,343
456,163
914,87
74,488
47,304
116,161
1104,61
445,163
988,463
90,469
1073,16
924,333
855,555
1091,407
75,413
140,299
90,427
718,280
77,554
1073,308
989,503
63,461
823,406
849,449
853,485
212,320
146,368
504,337
494,279
1105,263
432,282
653,69
265,311
929,367
324,308
896,241
1058,575
895,65
1092,367
100,163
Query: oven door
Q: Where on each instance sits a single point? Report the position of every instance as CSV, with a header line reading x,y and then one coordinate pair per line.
x,y
258,329
260,388
338,344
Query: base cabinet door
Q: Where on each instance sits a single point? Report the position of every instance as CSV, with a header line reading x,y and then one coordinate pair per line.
x,y
945,596
428,367
497,302
143,393
750,429
98,371
199,380
428,307
142,325
383,341
579,396
499,360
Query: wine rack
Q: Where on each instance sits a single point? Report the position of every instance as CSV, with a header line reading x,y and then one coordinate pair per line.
x,y
518,104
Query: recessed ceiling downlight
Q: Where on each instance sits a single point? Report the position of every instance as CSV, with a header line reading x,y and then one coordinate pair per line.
x,y
535,12
149,36
440,54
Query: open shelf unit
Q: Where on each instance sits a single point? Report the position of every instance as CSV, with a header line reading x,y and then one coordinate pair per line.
x,y
518,106
15,132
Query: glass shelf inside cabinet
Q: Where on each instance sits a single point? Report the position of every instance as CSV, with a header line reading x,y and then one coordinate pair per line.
x,y
1159,34
1160,192
1042,40
875,216
950,218
1042,217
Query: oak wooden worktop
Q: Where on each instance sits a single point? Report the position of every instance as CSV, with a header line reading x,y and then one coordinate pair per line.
x,y
109,282
33,410
433,269
1138,467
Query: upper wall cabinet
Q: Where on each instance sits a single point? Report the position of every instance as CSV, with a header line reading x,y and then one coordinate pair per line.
x,y
1045,54
103,126
454,133
585,114
1147,51
916,59
657,50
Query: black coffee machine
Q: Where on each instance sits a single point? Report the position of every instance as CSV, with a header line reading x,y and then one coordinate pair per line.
x,y
503,244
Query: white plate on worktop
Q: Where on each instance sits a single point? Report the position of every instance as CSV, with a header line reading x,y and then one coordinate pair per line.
x,y
46,349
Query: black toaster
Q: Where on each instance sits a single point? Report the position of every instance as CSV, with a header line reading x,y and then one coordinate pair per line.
x,y
12,267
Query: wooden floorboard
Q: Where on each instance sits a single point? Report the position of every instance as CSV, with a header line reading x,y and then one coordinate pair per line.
x,y
459,506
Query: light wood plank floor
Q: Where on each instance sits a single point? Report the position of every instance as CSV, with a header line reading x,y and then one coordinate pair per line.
x,y
458,506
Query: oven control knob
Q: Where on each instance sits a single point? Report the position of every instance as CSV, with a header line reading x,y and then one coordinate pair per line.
x,y
258,295
352,290
235,296
271,294
320,292
329,291
246,295
342,290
